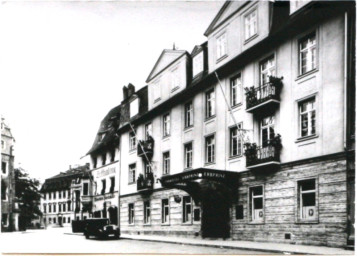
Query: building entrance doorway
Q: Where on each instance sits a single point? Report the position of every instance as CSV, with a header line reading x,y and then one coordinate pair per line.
x,y
113,215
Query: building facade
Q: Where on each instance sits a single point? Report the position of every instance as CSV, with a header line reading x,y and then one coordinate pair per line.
x,y
251,135
61,200
104,156
9,207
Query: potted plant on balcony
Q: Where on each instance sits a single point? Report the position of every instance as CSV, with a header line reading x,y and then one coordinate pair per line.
x,y
277,83
250,95
276,142
250,151
140,180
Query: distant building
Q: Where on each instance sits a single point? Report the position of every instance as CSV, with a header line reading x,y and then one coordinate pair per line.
x,y
61,197
9,207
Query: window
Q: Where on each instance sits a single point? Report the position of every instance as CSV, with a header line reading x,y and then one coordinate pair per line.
x,y
250,24
210,143
54,208
196,214
236,90
68,194
188,114
210,103
104,184
131,213
166,125
69,219
132,141
64,193
95,162
132,168
197,64
54,195
3,144
148,131
239,212
166,162
44,196
267,69
3,167
236,141
175,80
69,206
64,207
54,220
50,195
59,194
104,158
147,214
85,189
165,211
307,199
4,190
59,207
112,184
188,155
134,107
256,204
64,220
267,130
307,118
221,44
112,155
307,53
147,169
49,208
187,209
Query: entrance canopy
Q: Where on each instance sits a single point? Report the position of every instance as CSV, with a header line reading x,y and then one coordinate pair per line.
x,y
202,183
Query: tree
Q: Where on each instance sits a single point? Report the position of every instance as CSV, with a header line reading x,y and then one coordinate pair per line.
x,y
28,196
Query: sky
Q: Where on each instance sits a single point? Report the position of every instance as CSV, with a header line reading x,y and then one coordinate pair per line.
x,y
63,66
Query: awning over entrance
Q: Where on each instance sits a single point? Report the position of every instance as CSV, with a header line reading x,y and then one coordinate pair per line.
x,y
214,190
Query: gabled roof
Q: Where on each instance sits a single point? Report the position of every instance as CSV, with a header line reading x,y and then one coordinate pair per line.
x,y
198,48
166,58
227,10
142,94
107,129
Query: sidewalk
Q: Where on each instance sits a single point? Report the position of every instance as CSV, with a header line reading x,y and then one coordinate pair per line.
x,y
244,245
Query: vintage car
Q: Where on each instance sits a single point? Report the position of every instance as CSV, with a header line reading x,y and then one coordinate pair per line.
x,y
101,228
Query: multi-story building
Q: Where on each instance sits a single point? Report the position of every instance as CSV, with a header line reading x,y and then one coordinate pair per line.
x,y
61,197
103,191
251,136
9,207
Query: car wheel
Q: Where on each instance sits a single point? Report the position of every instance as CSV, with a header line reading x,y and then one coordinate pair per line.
x,y
116,236
87,236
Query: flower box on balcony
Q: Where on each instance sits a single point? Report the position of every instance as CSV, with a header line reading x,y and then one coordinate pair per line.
x,y
145,183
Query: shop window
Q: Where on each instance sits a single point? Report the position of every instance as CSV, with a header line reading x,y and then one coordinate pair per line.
x,y
307,113
307,199
166,163
188,114
165,211
210,149
132,168
256,204
210,104
187,209
132,141
85,189
236,141
307,53
112,184
239,212
236,90
166,125
188,155
147,213
131,213
104,186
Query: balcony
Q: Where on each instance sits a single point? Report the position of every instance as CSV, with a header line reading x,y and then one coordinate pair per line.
x,y
145,183
146,148
261,157
266,96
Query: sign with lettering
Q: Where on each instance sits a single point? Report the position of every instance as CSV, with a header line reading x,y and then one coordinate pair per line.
x,y
105,171
103,197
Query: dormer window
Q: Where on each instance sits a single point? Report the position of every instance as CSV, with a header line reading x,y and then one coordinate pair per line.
x,y
221,44
250,24
156,90
197,64
134,107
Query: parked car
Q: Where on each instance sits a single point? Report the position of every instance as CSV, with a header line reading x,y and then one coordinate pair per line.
x,y
101,228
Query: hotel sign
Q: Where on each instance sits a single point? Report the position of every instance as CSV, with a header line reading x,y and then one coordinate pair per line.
x,y
103,197
105,172
202,173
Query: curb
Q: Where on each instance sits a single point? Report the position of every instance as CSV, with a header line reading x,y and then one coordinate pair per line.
x,y
74,234
220,246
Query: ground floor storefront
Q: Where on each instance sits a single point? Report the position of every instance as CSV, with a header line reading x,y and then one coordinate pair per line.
x,y
106,206
303,202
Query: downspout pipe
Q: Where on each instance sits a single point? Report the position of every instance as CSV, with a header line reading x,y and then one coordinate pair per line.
x,y
345,59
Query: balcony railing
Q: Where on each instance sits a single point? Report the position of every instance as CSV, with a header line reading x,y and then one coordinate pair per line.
x,y
146,148
264,95
145,183
262,156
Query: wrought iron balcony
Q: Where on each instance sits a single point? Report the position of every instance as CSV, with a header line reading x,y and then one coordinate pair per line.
x,y
145,183
257,157
265,96
146,148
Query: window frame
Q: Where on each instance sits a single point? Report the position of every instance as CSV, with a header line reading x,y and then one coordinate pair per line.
x,y
4,171
85,194
213,161
132,141
175,79
166,125
316,46
185,155
268,126
251,204
165,219
231,128
147,212
131,213
250,36
196,60
146,130
298,203
239,89
166,168
219,53
210,102
188,114
189,216
268,70
112,184
130,175
315,109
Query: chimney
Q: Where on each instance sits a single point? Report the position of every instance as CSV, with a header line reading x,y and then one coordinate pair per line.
x,y
131,90
125,92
